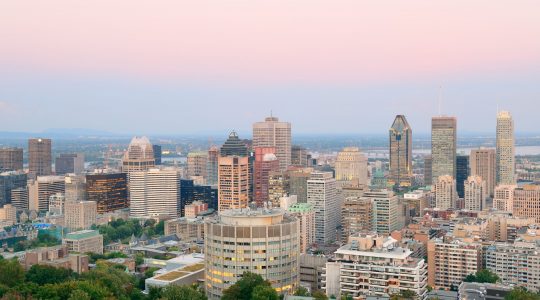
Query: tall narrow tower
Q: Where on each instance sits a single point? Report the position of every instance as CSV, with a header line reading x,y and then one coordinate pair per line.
x,y
443,147
400,152
272,133
39,157
505,149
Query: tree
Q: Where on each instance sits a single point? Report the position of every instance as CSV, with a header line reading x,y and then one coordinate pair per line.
x,y
521,293
404,295
264,292
79,295
319,295
301,291
243,288
42,274
11,272
181,292
482,276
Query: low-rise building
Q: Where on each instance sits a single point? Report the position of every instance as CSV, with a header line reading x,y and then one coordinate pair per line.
x,y
84,241
57,257
182,270
186,229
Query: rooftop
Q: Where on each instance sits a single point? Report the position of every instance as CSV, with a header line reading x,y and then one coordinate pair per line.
x,y
83,234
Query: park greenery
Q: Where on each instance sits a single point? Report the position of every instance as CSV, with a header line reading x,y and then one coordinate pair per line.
x,y
482,276
123,230
44,239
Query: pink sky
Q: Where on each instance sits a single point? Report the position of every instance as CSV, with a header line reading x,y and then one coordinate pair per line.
x,y
266,41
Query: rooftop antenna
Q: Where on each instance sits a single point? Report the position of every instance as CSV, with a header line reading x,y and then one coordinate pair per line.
x,y
271,114
440,100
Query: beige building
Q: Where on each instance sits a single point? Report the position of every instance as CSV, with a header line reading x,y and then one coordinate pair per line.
x,y
482,163
527,202
233,183
8,214
278,187
305,213
272,133
445,192
356,216
451,260
374,265
197,164
139,156
80,214
57,257
154,193
504,198
84,241
195,208
322,194
264,242
443,147
39,157
475,193
505,149
351,167
190,230
41,189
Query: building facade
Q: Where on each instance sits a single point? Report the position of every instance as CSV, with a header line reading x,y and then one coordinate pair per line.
x,y
154,193
462,173
322,195
197,164
475,193
139,156
84,241
108,190
266,163
11,159
305,214
69,163
356,216
39,157
400,153
233,186
505,149
41,189
272,133
351,167
445,192
482,162
80,215
527,202
443,147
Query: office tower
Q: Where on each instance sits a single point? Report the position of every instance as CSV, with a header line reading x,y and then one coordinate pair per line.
x,y
75,189
157,154
41,189
373,266
505,149
502,259
11,159
187,187
416,202
84,241
305,214
445,192
19,198
356,216
400,153
265,163
298,183
482,162
462,173
443,147
351,167
39,157
205,193
139,156
386,215
8,182
322,194
264,242
527,202
272,133
450,261
8,214
233,146
212,166
503,199
108,190
233,185
154,193
196,164
80,215
278,187
299,156
475,193
428,175
69,163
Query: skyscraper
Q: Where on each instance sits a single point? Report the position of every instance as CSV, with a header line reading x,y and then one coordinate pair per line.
x,y
482,162
139,156
445,192
462,173
233,183
197,163
505,149
212,166
443,147
272,133
266,163
475,193
10,181
154,193
400,153
69,163
108,190
351,167
299,156
41,189
428,176
11,159
157,154
322,194
39,157
233,146
387,217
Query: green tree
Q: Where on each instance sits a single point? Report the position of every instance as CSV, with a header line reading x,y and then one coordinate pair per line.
x,y
520,293
264,292
319,295
482,276
160,228
79,295
11,272
181,292
243,288
42,274
301,291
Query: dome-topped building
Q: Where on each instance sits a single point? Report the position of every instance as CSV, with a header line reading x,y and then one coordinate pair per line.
x,y
139,156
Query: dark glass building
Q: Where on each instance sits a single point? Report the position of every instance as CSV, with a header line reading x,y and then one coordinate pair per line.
x,y
234,146
108,190
157,154
462,172
69,163
8,182
11,159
